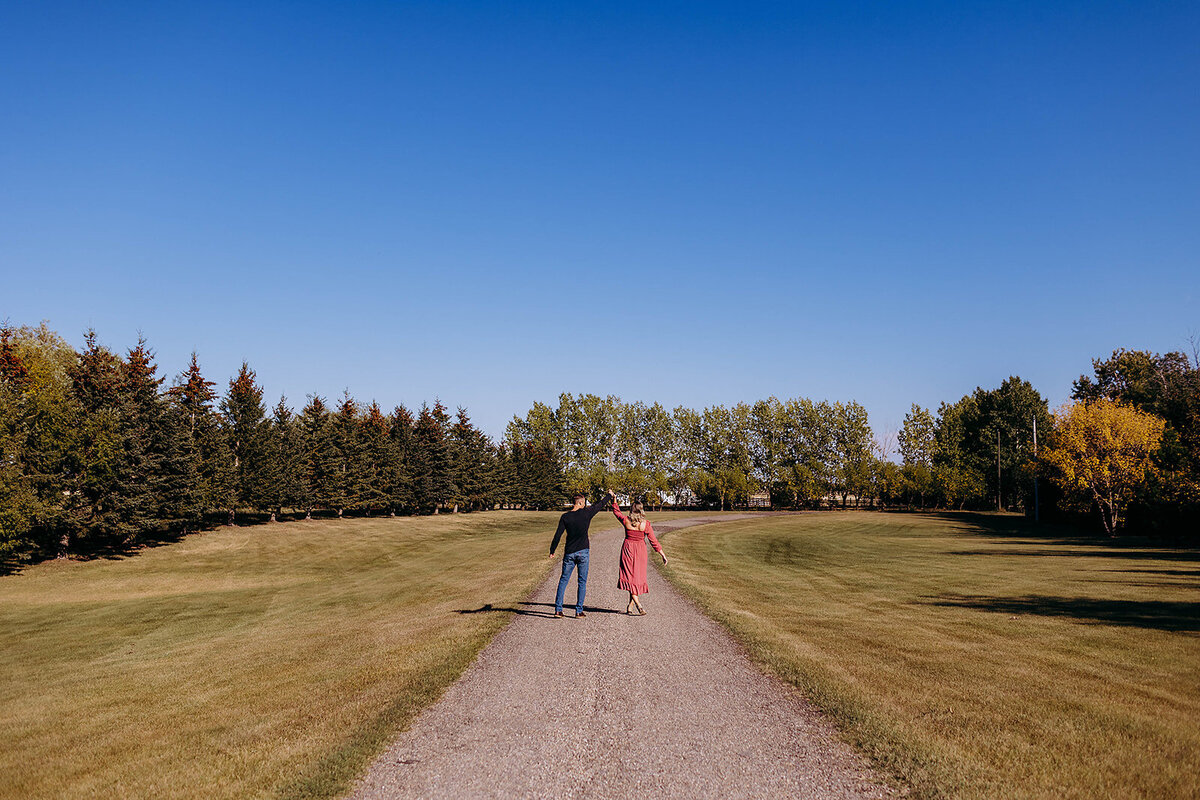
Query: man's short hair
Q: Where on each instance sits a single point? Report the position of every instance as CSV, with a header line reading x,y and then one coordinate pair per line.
x,y
579,496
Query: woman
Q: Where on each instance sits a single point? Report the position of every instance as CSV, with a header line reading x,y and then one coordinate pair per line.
x,y
633,554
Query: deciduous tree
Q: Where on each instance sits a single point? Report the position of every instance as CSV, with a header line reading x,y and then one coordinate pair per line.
x,y
1104,449
918,440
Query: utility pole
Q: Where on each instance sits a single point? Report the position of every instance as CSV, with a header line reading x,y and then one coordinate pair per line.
x,y
1035,486
999,494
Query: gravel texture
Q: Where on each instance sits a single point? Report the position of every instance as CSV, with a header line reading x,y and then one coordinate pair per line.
x,y
665,705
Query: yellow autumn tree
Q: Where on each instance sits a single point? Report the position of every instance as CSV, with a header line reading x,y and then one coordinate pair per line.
x,y
1104,449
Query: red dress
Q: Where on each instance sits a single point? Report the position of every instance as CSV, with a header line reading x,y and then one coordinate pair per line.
x,y
633,555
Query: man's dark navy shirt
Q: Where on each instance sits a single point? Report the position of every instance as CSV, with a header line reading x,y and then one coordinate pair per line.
x,y
576,523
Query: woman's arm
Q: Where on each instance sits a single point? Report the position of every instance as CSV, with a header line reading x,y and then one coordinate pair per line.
x,y
654,540
616,509
598,506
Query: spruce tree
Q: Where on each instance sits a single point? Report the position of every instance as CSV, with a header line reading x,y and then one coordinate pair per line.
x,y
520,483
244,420
489,471
152,464
441,468
431,458
400,431
207,475
317,456
347,487
472,463
94,503
286,456
376,462
505,475
544,480
186,500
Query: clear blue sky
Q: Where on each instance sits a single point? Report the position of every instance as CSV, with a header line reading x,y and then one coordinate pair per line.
x,y
694,202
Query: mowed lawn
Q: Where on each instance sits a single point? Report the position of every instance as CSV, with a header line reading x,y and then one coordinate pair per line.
x,y
971,655
267,661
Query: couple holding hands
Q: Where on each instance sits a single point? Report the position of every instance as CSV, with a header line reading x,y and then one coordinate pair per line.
x,y
575,524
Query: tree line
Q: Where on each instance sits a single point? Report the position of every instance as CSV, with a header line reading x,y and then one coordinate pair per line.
x,y
1123,454
95,452
797,451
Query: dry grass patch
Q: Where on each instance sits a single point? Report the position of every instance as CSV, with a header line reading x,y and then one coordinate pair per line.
x,y
970,655
247,662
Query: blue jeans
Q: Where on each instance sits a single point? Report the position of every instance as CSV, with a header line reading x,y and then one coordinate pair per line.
x,y
570,561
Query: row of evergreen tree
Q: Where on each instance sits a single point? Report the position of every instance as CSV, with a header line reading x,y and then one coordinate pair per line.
x,y
97,452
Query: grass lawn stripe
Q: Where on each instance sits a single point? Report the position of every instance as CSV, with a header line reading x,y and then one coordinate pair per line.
x,y
971,655
261,661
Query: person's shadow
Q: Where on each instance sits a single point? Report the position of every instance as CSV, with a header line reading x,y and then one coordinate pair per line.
x,y
531,609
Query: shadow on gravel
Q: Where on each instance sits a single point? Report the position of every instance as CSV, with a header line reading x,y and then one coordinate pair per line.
x,y
532,612
1154,614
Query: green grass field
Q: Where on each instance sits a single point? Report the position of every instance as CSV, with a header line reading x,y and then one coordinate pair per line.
x,y
968,655
262,661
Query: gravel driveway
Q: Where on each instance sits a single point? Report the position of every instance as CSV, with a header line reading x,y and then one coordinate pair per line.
x,y
665,705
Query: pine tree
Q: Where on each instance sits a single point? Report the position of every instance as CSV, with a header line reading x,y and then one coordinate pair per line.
x,y
244,421
317,456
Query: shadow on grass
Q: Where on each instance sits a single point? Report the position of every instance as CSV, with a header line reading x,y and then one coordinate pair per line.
x,y
111,548
1012,526
1149,555
115,550
1178,573
532,611
102,549
1151,584
1154,614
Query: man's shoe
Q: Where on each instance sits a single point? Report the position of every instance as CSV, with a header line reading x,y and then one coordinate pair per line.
x,y
558,615
581,614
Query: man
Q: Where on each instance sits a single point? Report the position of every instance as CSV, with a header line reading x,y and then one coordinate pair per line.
x,y
575,552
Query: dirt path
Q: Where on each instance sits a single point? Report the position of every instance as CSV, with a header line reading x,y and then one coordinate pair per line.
x,y
665,705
